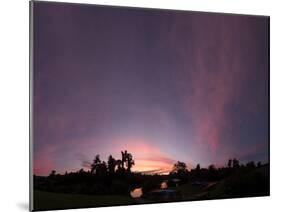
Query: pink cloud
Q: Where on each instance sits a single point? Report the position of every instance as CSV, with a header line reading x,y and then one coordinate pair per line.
x,y
215,75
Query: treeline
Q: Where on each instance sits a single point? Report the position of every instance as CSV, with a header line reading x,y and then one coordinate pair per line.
x,y
115,176
212,173
235,179
112,166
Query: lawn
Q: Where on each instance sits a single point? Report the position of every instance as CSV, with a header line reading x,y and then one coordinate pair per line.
x,y
189,191
47,200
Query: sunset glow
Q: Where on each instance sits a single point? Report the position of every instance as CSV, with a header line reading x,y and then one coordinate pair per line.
x,y
166,88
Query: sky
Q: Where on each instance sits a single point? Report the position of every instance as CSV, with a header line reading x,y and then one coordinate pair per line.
x,y
167,86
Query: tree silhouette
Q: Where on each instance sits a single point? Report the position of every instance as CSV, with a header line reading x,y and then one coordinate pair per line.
x,y
180,168
53,173
111,164
127,161
95,164
251,164
229,164
235,163
123,159
101,169
211,167
119,165
115,177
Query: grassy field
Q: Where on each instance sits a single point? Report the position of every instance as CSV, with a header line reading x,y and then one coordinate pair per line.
x,y
254,183
46,200
188,191
239,184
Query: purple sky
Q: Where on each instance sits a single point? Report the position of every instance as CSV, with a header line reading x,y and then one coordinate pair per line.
x,y
164,85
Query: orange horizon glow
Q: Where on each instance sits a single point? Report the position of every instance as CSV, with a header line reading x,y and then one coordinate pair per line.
x,y
148,159
152,166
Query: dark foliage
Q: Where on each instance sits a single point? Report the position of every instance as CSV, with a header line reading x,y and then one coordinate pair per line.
x,y
115,177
